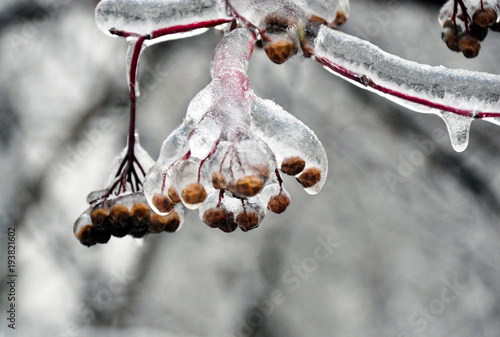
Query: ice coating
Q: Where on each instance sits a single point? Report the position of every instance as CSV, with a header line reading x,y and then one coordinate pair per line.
x,y
458,129
254,11
288,137
222,159
418,87
146,16
142,156
328,10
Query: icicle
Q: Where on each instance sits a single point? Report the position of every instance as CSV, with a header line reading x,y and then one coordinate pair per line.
x,y
458,129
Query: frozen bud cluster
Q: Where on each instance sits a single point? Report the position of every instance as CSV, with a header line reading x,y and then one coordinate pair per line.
x,y
227,157
466,23
127,214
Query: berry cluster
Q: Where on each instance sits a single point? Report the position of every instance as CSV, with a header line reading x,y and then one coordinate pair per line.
x,y
227,157
124,215
463,33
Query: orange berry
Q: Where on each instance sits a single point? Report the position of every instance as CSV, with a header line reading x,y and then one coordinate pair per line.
x,y
247,186
281,50
292,165
310,177
162,202
194,194
85,236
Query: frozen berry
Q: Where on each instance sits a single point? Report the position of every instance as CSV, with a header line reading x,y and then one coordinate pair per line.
x,y
120,232
99,218
194,194
217,217
278,203
138,232
173,222
451,40
469,46
219,181
139,214
85,236
310,177
162,202
173,195
280,49
262,170
485,17
495,27
478,32
292,165
247,186
102,235
157,223
119,216
247,221
340,19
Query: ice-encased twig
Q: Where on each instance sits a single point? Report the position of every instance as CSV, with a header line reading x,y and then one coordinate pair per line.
x,y
145,17
422,88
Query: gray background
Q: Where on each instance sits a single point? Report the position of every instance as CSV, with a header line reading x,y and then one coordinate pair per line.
x,y
419,257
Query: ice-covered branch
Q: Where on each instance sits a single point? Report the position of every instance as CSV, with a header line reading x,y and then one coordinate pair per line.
x,y
458,96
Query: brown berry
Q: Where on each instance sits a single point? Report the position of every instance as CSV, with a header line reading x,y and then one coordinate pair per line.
x,y
485,17
340,19
119,216
120,232
478,32
217,217
99,217
219,181
281,49
495,27
310,177
278,203
451,39
157,223
194,194
318,20
247,221
469,46
140,214
173,222
173,195
162,202
85,236
292,165
247,186
102,235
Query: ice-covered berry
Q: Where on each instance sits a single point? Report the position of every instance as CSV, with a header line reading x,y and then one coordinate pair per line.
x,y
194,194
485,17
247,220
309,177
162,203
292,165
278,203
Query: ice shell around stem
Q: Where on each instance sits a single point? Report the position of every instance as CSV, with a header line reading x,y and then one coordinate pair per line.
x,y
143,17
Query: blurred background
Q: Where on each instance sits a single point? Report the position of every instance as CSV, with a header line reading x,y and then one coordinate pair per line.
x,y
402,241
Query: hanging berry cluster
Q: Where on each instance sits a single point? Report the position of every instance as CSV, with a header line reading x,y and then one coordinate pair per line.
x,y
466,24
